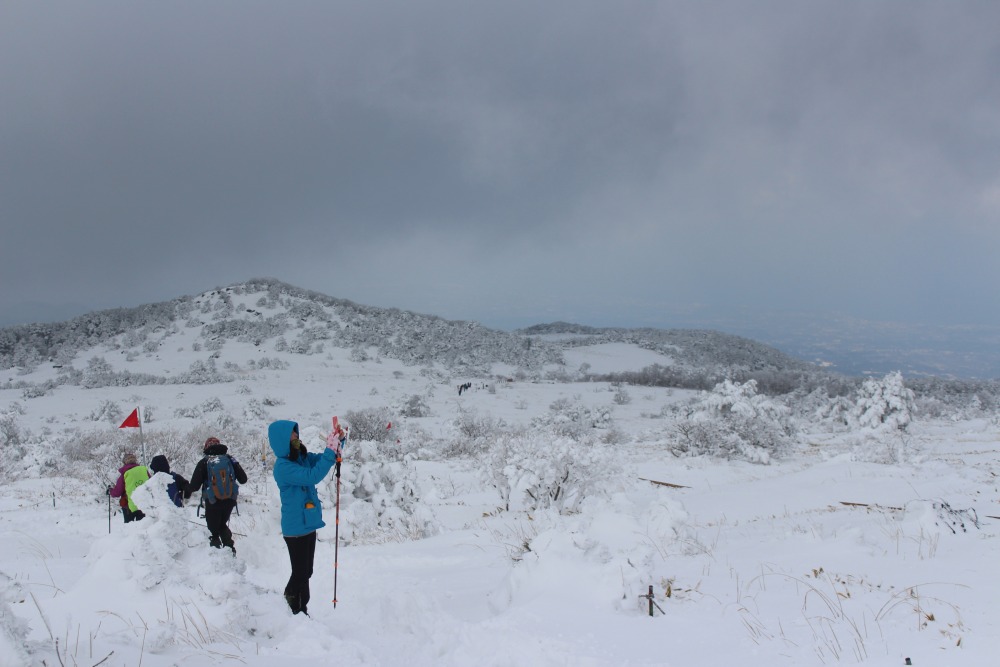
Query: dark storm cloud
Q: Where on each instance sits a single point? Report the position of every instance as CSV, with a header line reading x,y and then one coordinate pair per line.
x,y
507,162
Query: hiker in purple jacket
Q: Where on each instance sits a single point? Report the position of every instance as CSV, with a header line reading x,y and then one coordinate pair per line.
x,y
118,490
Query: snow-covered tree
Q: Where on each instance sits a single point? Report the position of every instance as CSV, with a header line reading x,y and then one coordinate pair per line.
x,y
884,404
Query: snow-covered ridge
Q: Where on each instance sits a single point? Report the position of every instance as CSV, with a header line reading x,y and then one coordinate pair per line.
x,y
274,316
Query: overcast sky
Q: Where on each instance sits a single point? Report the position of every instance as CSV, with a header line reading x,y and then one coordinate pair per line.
x,y
609,163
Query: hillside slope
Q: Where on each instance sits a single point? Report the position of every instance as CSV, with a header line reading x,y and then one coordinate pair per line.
x,y
147,341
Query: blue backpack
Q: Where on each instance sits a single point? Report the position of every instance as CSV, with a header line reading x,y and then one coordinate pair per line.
x,y
220,478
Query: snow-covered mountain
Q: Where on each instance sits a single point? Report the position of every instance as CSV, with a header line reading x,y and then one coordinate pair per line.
x,y
144,344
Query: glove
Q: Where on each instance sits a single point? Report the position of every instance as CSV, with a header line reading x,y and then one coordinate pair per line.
x,y
335,443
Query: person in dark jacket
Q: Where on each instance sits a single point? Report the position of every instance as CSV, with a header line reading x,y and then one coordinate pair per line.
x,y
297,472
120,490
217,511
177,487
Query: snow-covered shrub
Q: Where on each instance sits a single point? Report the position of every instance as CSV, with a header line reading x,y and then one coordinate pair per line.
x,y
70,375
734,421
931,407
27,360
406,441
415,406
107,411
98,373
189,412
202,372
213,404
558,375
473,425
884,404
38,390
622,397
558,473
818,407
370,423
473,433
148,411
385,503
571,419
304,344
269,362
12,438
13,629
227,421
10,431
255,410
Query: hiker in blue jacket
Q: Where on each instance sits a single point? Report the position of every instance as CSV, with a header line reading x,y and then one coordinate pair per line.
x,y
297,472
220,499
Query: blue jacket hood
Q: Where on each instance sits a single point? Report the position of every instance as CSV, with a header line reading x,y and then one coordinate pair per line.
x,y
279,434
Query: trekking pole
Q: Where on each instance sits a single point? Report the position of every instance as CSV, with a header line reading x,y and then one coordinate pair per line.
x,y
336,524
109,510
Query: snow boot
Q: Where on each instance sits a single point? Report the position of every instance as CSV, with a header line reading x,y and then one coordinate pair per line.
x,y
295,604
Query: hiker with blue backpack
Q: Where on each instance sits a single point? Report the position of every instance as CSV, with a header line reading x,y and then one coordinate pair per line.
x,y
218,475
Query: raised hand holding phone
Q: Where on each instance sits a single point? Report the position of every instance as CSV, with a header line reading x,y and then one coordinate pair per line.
x,y
335,440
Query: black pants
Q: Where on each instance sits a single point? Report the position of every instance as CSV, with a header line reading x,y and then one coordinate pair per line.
x,y
301,552
217,518
129,515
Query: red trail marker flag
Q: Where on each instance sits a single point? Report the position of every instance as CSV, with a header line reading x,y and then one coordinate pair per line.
x,y
132,421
